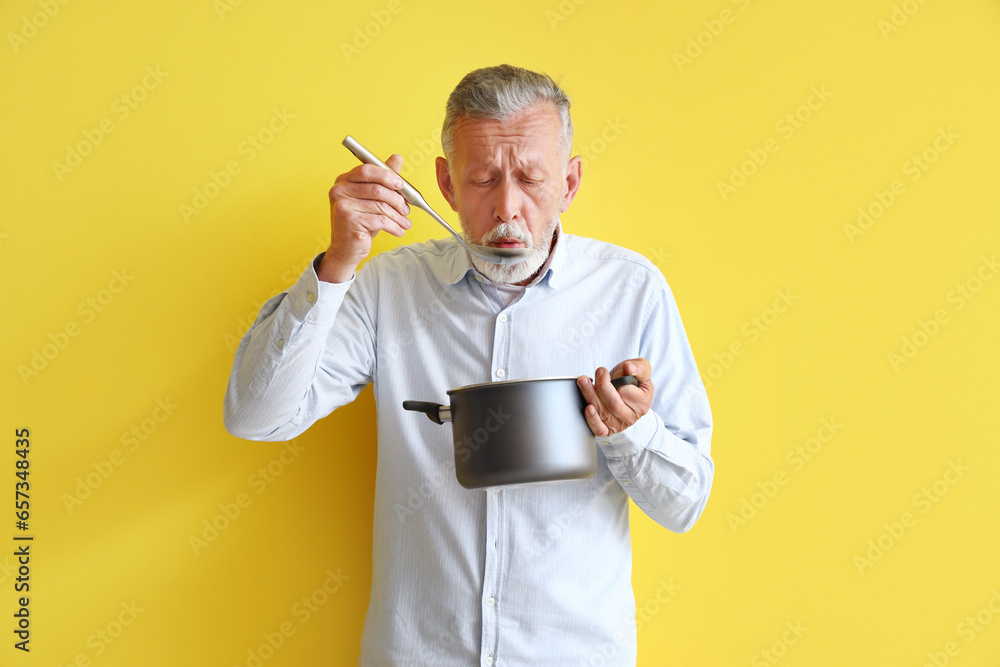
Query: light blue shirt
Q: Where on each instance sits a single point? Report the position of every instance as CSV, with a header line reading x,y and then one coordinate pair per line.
x,y
531,575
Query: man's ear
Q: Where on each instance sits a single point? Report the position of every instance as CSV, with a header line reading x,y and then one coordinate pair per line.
x,y
574,172
444,182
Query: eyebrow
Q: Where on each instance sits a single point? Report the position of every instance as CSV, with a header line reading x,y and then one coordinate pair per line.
x,y
529,165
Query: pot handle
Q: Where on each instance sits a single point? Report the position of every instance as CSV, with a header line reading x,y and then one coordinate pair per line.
x,y
436,412
618,383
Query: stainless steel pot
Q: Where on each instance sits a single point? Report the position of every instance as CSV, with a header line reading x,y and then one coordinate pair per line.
x,y
518,431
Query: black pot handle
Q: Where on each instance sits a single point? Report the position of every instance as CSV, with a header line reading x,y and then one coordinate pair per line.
x,y
432,410
618,383
439,414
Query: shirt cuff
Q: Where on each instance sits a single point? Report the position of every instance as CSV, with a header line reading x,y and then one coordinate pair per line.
x,y
632,440
313,301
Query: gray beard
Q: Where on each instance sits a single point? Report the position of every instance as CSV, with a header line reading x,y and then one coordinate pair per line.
x,y
509,274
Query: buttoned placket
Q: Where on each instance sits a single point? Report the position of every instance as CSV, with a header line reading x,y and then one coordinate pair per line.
x,y
492,596
492,574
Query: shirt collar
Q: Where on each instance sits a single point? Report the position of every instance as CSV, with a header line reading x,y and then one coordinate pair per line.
x,y
459,265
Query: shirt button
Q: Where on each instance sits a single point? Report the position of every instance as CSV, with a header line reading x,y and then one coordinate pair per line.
x,y
502,318
310,297
490,602
501,372
489,660
281,343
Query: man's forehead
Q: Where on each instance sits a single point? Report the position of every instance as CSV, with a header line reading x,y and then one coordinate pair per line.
x,y
534,131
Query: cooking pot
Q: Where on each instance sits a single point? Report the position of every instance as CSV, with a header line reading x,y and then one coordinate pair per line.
x,y
518,431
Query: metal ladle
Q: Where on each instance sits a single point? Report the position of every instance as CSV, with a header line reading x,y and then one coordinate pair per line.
x,y
413,196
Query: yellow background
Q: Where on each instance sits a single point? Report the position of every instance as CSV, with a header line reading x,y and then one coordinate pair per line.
x,y
659,134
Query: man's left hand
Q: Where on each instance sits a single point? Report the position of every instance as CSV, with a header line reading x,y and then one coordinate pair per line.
x,y
611,410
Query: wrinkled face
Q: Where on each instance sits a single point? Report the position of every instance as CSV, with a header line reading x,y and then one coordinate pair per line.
x,y
509,183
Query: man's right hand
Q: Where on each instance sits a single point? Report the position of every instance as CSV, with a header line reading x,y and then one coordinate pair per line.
x,y
363,202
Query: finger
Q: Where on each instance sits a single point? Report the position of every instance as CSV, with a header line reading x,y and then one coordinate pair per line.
x,y
369,192
396,228
590,396
593,397
368,189
372,173
640,368
350,212
586,386
382,217
393,214
395,162
597,427
355,218
637,398
367,174
609,396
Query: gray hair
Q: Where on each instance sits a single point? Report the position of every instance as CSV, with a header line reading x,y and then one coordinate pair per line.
x,y
500,92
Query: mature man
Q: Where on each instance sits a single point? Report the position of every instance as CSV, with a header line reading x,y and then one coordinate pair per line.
x,y
531,575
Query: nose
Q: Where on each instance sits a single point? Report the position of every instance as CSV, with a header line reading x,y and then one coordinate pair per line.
x,y
508,203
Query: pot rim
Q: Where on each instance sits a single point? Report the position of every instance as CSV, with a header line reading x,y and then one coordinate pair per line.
x,y
509,382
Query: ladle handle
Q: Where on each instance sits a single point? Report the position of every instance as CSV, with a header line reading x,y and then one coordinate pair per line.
x,y
410,193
